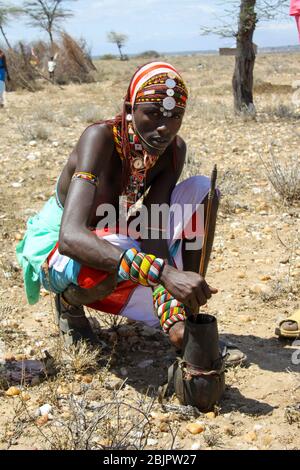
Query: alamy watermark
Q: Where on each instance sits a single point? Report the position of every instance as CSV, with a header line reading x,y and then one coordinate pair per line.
x,y
158,222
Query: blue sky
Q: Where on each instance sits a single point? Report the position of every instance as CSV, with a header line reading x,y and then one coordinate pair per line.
x,y
162,25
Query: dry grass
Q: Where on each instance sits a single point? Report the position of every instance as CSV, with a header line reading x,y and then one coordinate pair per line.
x,y
284,176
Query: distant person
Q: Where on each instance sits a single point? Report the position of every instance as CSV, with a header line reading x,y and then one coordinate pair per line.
x,y
51,68
3,75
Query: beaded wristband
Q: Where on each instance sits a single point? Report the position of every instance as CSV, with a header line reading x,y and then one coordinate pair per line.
x,y
169,310
83,175
140,268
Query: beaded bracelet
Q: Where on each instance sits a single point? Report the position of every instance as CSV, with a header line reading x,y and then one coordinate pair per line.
x,y
169,310
140,268
83,175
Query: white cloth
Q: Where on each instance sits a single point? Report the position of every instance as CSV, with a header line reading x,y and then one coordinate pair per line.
x,y
191,191
51,66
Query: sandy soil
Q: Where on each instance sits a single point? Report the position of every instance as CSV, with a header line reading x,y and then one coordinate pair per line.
x,y
255,264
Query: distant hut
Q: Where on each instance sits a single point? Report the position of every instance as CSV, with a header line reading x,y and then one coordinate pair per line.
x,y
232,50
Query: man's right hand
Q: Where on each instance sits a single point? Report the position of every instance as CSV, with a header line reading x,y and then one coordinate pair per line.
x,y
187,287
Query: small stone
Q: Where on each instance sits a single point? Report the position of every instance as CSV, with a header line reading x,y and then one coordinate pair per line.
x,y
42,420
196,446
87,379
114,384
18,236
63,390
44,409
210,415
13,392
265,278
259,289
164,427
241,275
124,371
246,318
195,428
267,440
228,430
33,143
257,427
20,357
25,396
251,437
9,357
31,157
152,442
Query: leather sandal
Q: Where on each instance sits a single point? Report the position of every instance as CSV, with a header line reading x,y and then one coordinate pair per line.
x,y
73,324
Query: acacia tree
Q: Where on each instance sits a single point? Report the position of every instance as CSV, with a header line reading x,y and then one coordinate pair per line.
x,y
119,39
250,13
6,14
47,14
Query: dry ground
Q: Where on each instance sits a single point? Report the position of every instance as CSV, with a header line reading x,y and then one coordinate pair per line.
x,y
255,265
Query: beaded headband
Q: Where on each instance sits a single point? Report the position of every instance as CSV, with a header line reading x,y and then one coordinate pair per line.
x,y
159,82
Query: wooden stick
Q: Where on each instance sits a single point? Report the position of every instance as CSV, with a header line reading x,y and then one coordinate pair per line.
x,y
211,196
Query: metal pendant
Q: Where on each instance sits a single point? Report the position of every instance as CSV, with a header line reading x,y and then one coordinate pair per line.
x,y
170,83
169,103
138,163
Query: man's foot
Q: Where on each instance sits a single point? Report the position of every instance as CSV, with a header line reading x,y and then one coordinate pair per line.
x,y
233,356
73,324
290,327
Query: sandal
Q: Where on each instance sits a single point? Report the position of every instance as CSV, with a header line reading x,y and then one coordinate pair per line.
x,y
281,332
73,324
232,354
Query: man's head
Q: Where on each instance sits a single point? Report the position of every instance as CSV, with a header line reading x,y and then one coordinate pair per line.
x,y
156,102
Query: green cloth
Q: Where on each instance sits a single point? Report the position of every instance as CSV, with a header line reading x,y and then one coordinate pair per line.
x,y
41,237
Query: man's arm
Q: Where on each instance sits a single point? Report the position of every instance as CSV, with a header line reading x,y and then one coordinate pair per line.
x,y
94,150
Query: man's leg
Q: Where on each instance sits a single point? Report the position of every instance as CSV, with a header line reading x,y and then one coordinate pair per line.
x,y
78,285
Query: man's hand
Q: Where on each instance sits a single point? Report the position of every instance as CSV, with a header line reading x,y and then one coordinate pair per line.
x,y
187,287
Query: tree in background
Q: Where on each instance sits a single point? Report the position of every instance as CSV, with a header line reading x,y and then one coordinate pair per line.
x,y
6,14
250,13
46,15
119,39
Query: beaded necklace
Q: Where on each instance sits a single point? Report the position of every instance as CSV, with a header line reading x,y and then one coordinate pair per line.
x,y
139,161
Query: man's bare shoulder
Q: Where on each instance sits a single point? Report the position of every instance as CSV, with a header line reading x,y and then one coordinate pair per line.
x,y
99,131
180,146
95,146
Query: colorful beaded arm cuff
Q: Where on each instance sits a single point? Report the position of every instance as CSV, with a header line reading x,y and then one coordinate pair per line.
x,y
140,268
83,175
169,310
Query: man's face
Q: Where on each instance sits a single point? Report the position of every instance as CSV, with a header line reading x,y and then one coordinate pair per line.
x,y
156,129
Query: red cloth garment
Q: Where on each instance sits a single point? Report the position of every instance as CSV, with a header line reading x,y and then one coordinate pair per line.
x,y
295,8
